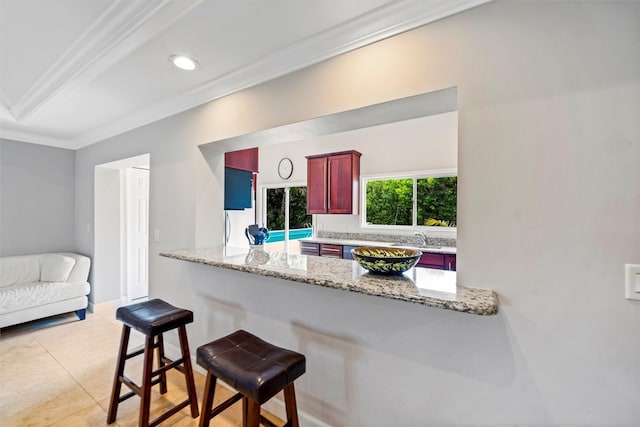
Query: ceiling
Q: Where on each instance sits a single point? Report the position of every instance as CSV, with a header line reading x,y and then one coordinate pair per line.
x,y
75,72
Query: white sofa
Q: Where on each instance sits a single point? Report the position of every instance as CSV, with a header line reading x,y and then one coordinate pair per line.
x,y
42,285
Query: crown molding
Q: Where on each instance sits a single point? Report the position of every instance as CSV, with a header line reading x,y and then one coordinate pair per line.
x,y
380,23
17,135
95,49
5,113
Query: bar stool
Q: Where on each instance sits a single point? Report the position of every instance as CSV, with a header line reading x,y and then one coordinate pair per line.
x,y
256,369
152,318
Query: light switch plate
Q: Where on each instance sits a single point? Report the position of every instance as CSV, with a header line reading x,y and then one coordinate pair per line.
x,y
632,281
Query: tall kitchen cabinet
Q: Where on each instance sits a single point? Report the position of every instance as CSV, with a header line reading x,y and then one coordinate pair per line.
x,y
333,183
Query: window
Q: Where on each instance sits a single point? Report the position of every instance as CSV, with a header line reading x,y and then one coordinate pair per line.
x,y
420,200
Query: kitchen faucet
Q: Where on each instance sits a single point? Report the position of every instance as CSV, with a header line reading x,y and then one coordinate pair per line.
x,y
422,236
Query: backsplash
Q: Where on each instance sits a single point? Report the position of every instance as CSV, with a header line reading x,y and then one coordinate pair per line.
x,y
390,238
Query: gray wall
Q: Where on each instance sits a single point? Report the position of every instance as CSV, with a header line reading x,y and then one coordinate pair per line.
x,y
37,198
107,230
549,201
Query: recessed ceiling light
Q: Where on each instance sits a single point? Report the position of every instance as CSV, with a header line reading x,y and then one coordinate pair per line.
x,y
183,62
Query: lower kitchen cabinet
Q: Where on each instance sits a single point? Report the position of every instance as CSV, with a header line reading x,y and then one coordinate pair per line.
x,y
333,251
308,248
450,262
346,252
428,259
438,261
321,249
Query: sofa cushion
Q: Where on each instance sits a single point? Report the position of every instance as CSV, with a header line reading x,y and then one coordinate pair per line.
x,y
56,268
27,295
19,269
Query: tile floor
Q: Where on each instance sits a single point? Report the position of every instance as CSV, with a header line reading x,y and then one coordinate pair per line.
x,y
58,372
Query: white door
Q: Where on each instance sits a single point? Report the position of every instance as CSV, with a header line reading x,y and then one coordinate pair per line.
x,y
137,226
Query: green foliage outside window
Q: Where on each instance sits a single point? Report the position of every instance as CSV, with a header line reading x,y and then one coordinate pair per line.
x,y
275,208
298,217
437,200
390,201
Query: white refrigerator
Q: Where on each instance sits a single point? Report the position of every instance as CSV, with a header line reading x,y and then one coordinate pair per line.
x,y
235,222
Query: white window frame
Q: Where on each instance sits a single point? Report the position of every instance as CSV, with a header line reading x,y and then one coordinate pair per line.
x,y
444,232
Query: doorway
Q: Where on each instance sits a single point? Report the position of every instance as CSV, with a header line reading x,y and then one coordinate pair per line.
x,y
121,240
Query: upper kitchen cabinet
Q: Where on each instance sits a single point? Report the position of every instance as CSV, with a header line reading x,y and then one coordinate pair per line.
x,y
246,160
237,189
333,183
240,168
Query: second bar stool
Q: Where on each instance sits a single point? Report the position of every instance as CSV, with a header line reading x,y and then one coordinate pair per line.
x,y
256,369
152,318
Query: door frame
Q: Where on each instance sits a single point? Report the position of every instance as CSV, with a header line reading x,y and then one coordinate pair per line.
x,y
108,270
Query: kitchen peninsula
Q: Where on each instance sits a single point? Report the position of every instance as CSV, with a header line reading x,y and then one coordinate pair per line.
x,y
433,288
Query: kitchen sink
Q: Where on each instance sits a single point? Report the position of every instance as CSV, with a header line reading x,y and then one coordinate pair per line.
x,y
410,245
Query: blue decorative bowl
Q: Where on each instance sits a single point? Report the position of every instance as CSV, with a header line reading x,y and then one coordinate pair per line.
x,y
256,235
382,260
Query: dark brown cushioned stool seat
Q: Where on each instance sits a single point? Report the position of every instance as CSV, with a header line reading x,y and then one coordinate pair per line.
x,y
256,369
152,318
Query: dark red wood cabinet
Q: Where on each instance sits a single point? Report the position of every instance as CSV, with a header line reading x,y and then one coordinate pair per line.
x,y
246,160
450,262
308,248
333,183
321,249
332,251
428,259
317,170
438,261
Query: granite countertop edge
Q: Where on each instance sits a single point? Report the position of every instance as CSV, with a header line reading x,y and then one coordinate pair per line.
x,y
477,301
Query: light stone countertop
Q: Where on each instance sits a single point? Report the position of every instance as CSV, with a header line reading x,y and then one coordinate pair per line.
x,y
433,288
344,242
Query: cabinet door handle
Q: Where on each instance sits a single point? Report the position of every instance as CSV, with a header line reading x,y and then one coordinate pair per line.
x,y
328,194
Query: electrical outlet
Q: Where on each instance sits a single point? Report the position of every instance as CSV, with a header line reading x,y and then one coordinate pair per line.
x,y
632,281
